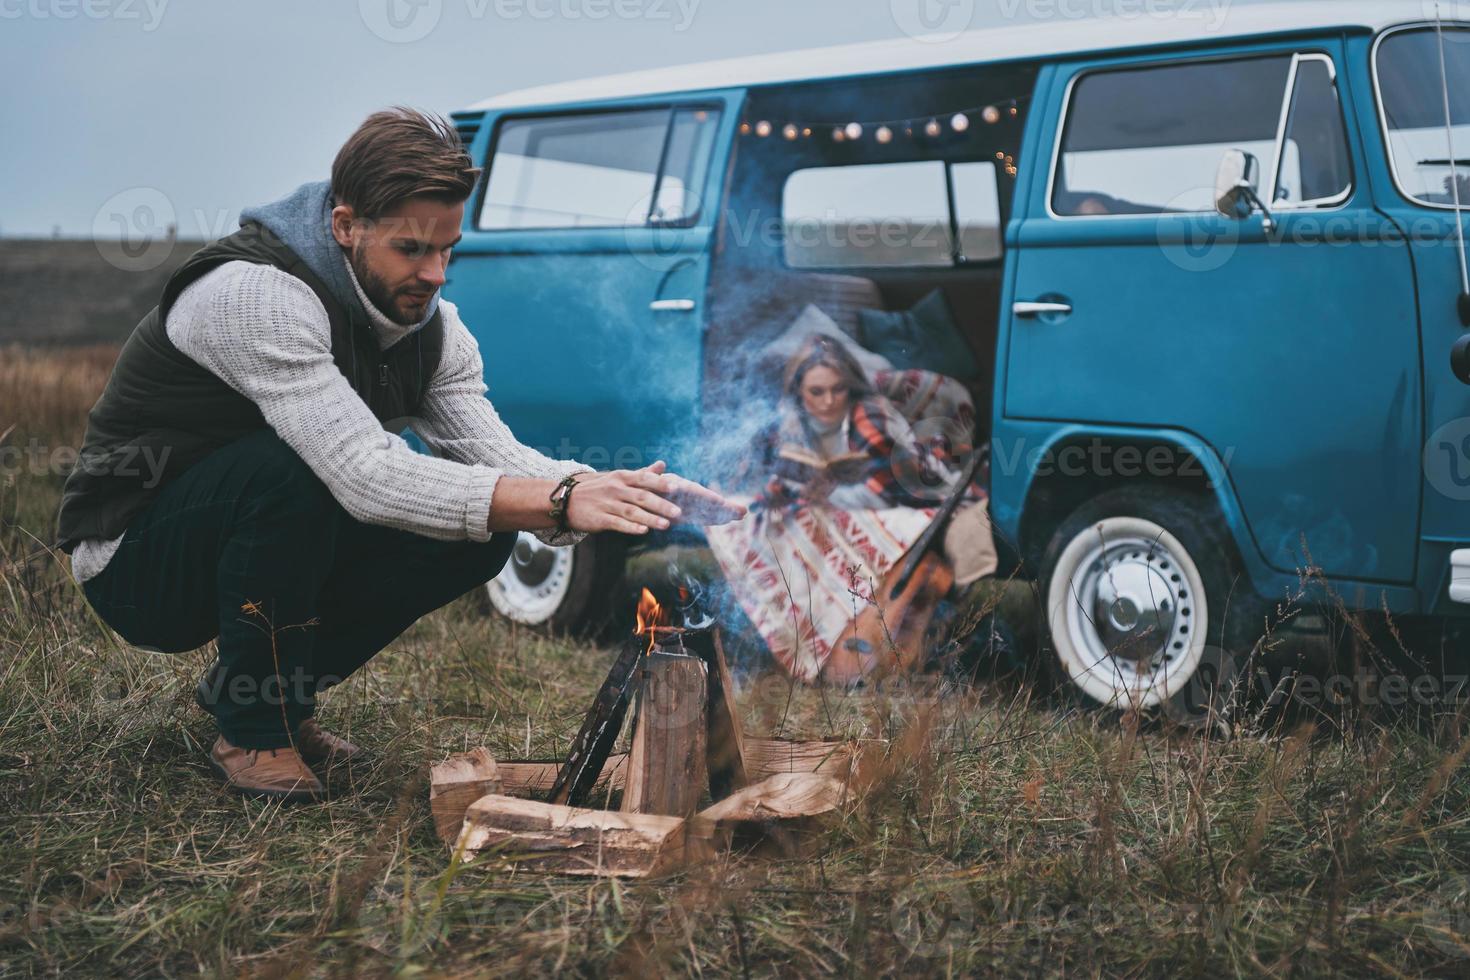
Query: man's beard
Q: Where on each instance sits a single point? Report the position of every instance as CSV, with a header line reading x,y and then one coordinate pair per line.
x,y
379,293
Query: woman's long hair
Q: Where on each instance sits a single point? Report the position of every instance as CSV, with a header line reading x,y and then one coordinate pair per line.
x,y
820,350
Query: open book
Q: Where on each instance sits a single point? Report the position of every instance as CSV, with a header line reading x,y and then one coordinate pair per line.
x,y
848,467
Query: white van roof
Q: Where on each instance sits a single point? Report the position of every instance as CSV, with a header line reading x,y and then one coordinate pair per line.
x,y
1202,21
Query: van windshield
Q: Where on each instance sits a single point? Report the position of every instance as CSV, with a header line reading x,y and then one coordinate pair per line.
x,y
1412,93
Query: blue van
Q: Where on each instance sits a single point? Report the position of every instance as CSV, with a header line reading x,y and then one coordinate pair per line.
x,y
1210,282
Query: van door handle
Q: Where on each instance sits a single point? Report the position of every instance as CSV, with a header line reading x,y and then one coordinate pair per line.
x,y
1032,308
673,305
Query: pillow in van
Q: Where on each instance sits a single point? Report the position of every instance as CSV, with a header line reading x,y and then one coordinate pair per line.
x,y
923,337
812,320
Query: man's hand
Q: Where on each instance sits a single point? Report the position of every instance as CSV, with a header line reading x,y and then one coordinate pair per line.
x,y
633,501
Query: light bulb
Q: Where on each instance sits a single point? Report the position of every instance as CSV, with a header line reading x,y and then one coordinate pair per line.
x,y
838,135
763,128
959,122
990,114
854,131
789,131
931,128
883,134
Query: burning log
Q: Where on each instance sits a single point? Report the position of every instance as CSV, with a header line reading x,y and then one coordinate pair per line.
x,y
667,765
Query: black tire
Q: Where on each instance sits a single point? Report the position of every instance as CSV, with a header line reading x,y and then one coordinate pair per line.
x,y
1133,558
586,582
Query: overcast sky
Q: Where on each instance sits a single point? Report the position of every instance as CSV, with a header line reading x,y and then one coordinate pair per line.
x,y
211,106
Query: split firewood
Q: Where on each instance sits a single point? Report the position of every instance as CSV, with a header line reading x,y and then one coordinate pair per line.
x,y
570,840
532,777
726,752
667,764
785,796
845,759
781,815
457,782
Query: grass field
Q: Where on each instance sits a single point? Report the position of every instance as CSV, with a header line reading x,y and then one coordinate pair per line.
x,y
1014,833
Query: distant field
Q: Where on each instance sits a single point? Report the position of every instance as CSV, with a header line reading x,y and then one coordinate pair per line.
x,y
66,292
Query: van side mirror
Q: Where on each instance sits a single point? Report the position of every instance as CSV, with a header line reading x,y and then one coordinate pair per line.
x,y
1235,187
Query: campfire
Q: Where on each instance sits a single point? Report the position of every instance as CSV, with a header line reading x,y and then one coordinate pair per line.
x,y
686,741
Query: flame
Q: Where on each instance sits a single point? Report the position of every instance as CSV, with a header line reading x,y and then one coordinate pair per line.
x,y
649,615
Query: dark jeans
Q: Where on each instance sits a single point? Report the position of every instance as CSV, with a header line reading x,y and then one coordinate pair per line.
x,y
248,545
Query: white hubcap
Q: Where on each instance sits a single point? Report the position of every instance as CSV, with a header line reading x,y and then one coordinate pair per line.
x,y
533,583
1128,613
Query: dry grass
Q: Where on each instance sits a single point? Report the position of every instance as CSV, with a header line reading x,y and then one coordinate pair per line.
x,y
1008,834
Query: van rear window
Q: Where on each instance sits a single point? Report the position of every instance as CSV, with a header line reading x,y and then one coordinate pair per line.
x,y
599,170
891,214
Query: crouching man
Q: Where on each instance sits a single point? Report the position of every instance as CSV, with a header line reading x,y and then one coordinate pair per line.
x,y
279,511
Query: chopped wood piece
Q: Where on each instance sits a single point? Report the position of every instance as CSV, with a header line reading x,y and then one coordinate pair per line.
x,y
457,782
784,796
666,767
526,777
570,840
845,759
726,752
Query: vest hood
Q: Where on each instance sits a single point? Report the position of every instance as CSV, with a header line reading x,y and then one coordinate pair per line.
x,y
302,221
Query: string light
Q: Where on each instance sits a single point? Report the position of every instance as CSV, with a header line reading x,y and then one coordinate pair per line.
x,y
886,130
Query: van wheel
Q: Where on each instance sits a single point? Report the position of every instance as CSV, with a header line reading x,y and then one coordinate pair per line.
x,y
559,590
1147,607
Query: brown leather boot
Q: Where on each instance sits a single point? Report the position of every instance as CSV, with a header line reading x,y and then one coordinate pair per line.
x,y
323,750
277,773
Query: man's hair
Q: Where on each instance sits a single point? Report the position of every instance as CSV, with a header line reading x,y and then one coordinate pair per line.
x,y
397,154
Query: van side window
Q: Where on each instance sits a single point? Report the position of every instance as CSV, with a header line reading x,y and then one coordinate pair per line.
x,y
1149,140
977,210
891,214
599,170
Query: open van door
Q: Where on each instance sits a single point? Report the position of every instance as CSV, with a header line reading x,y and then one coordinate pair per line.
x,y
583,267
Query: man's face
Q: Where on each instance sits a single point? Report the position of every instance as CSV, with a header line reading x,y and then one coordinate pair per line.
x,y
400,258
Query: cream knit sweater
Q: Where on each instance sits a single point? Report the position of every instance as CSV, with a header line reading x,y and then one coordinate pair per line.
x,y
265,334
